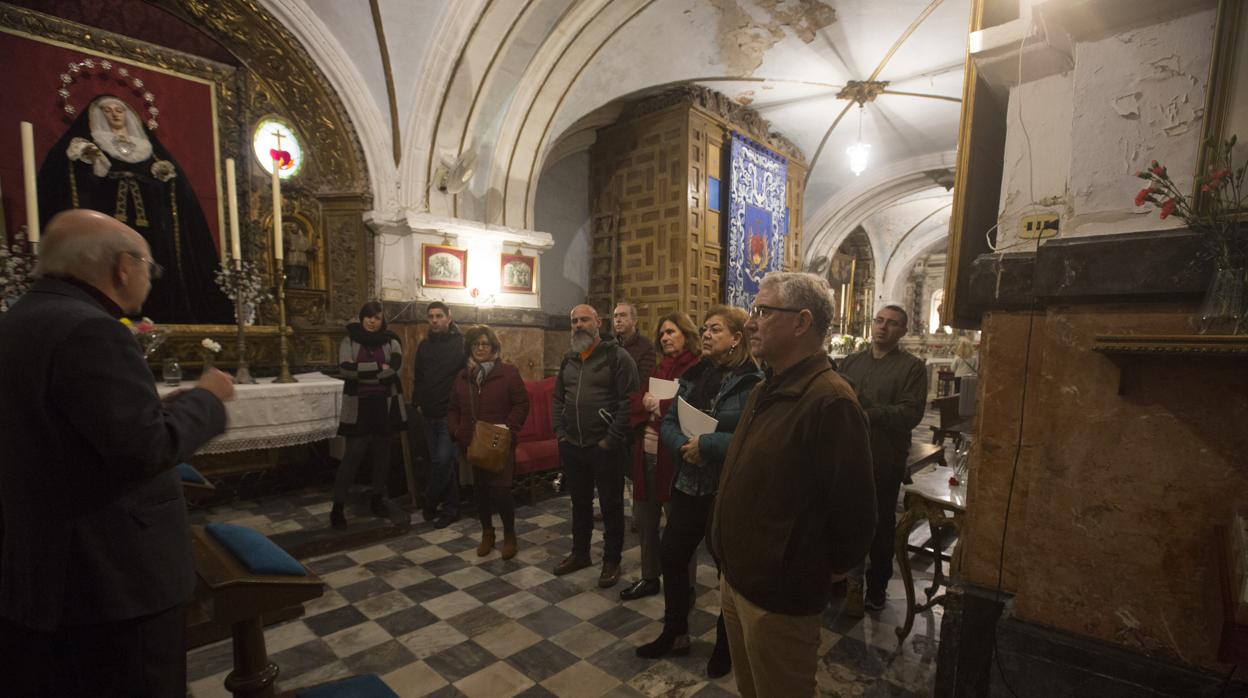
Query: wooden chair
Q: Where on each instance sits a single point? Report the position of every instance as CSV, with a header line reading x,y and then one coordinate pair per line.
x,y
952,424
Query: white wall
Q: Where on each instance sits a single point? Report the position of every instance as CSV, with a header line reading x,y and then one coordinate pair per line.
x,y
1132,97
562,210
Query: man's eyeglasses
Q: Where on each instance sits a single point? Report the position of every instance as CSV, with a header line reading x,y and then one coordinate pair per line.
x,y
155,270
886,322
761,312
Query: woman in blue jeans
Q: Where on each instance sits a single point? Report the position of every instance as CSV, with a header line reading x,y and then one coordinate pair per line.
x,y
719,385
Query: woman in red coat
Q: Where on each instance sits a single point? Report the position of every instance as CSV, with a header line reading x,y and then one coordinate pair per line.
x,y
491,391
678,339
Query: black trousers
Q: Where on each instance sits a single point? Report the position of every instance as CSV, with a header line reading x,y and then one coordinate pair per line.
x,y
686,527
883,544
137,658
587,467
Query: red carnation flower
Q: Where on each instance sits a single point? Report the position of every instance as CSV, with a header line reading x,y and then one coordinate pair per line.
x,y
1158,170
1168,207
1143,196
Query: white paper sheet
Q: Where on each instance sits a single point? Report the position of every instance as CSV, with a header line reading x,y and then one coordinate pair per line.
x,y
662,388
694,422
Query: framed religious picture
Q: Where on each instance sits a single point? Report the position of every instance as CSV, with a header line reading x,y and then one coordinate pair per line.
x,y
517,274
443,267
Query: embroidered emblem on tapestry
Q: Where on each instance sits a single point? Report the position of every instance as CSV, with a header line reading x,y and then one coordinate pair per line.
x,y
757,219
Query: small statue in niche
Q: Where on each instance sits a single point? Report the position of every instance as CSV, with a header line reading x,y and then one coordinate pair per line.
x,y
300,251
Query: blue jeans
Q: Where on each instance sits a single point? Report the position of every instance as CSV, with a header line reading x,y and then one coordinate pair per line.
x,y
585,467
443,486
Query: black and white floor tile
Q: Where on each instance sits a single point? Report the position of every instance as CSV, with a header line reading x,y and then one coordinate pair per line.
x,y
432,619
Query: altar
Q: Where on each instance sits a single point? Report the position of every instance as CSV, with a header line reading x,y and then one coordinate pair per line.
x,y
268,415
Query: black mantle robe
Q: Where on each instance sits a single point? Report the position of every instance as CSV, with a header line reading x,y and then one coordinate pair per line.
x,y
172,223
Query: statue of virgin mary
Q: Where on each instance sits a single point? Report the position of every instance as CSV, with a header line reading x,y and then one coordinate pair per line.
x,y
108,161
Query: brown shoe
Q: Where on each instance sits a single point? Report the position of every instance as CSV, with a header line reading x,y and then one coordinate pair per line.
x,y
571,564
610,575
508,550
487,542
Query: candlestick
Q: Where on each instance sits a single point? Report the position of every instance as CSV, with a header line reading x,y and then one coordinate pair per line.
x,y
231,188
28,182
277,216
283,375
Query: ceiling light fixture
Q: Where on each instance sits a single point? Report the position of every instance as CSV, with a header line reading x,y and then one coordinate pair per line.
x,y
859,152
861,91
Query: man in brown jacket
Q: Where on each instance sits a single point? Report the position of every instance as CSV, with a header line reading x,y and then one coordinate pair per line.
x,y
796,500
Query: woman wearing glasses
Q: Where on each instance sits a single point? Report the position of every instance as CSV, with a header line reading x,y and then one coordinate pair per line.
x,y
719,385
372,406
490,390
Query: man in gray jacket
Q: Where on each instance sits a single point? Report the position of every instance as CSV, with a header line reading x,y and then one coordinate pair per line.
x,y
591,422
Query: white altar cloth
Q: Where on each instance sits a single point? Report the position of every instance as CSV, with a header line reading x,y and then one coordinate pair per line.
x,y
268,415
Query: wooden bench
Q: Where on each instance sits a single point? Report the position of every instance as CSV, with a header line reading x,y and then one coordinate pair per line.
x,y
228,594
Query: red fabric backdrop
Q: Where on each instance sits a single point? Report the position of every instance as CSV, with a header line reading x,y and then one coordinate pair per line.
x,y
32,70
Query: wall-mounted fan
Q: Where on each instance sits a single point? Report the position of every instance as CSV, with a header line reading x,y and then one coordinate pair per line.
x,y
453,177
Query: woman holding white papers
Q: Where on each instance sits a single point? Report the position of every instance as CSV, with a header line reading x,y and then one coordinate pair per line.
x,y
719,386
678,341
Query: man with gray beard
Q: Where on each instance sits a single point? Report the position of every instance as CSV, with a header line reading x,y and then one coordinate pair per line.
x,y
591,411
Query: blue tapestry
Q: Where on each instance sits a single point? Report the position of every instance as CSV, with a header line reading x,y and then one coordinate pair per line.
x,y
757,219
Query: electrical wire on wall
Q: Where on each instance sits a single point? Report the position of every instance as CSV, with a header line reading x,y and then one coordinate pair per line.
x,y
1032,205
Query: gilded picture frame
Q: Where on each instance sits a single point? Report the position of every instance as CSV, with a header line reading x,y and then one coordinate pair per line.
x,y
1226,99
517,273
443,267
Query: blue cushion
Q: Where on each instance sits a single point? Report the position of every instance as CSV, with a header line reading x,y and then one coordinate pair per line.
x,y
363,686
256,553
188,473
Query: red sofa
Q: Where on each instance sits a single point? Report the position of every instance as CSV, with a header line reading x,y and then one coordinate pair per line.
x,y
537,450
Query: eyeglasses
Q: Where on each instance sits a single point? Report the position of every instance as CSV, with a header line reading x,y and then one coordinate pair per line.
x,y
886,322
155,270
761,312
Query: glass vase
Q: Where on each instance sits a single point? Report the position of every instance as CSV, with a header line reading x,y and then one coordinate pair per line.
x,y
1226,301
171,372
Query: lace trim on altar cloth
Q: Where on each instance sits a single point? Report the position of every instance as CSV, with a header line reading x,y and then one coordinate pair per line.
x,y
256,443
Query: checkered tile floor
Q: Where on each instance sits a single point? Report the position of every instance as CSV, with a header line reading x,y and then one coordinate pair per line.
x,y
431,618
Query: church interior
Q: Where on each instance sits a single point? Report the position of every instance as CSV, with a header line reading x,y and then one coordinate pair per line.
x,y
1075,522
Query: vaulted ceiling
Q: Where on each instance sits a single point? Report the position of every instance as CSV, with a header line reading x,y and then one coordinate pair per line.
x,y
523,83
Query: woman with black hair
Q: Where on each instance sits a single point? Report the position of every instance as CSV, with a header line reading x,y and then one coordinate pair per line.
x,y
372,406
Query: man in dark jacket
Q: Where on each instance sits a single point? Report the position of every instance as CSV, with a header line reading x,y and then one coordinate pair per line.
x,y
591,412
796,503
892,387
438,359
97,564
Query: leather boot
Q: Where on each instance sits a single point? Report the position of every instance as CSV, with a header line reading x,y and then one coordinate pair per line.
x,y
509,545
337,518
487,542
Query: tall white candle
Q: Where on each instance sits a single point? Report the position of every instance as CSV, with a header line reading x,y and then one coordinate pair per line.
x,y
842,303
277,216
28,182
231,188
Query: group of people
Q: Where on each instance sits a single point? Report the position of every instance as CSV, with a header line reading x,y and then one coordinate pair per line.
x,y
795,486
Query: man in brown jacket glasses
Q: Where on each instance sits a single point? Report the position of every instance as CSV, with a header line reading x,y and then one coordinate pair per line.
x,y
796,500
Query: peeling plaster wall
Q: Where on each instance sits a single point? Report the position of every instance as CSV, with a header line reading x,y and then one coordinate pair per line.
x,y
562,209
1132,98
1140,96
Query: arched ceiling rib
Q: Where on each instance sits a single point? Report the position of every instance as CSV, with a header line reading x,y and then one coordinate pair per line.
x,y
525,81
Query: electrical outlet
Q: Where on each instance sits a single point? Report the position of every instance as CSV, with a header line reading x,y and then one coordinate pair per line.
x,y
1044,225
